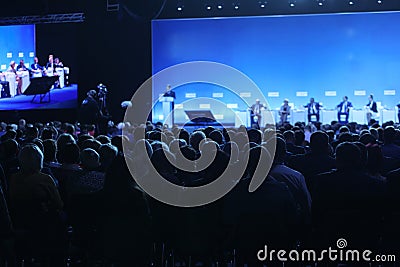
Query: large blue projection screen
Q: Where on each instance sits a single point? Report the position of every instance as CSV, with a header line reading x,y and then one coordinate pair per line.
x,y
296,57
16,42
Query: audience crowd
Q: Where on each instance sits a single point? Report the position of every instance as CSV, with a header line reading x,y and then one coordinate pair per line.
x,y
68,195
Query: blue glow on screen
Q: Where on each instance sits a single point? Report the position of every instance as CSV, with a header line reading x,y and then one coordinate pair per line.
x,y
15,40
289,54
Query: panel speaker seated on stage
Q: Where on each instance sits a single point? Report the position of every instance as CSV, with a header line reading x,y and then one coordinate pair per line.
x,y
284,111
344,110
371,110
255,114
313,109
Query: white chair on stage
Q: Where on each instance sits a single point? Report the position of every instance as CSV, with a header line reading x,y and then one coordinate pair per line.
x,y
11,79
60,73
24,75
389,115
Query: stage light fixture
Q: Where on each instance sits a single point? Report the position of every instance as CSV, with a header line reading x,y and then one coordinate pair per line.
x,y
236,6
379,2
351,3
262,4
208,7
179,8
220,6
292,3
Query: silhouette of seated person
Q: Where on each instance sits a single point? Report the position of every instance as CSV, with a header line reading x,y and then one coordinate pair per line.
x,y
290,143
252,225
317,161
347,202
389,148
35,203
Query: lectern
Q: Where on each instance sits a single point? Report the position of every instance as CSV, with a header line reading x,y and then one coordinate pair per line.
x,y
167,106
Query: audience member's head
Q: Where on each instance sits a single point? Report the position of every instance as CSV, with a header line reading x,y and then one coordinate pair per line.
x,y
91,143
68,154
363,155
103,139
31,132
31,159
299,137
255,136
49,150
90,159
217,137
280,151
9,149
375,159
196,138
289,137
389,135
64,139
319,143
348,156
367,138
107,153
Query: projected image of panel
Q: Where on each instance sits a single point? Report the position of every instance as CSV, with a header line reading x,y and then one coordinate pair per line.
x,y
24,77
285,55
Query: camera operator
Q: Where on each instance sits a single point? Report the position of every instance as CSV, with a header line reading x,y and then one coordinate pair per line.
x,y
89,110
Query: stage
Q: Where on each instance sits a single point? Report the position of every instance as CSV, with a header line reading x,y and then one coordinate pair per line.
x,y
64,98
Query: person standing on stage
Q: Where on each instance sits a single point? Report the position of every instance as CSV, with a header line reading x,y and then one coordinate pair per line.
x,y
398,111
171,93
284,111
372,109
256,112
13,69
344,109
313,109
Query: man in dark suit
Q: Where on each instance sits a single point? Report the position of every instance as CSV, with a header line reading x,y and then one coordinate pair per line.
x,y
36,68
344,109
313,110
372,108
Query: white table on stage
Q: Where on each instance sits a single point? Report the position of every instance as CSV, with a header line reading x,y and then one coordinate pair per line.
x,y
298,115
49,72
24,75
60,73
327,116
37,74
358,115
388,115
242,117
11,79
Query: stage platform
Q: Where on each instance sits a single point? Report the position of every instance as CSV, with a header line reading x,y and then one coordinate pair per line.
x,y
64,98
